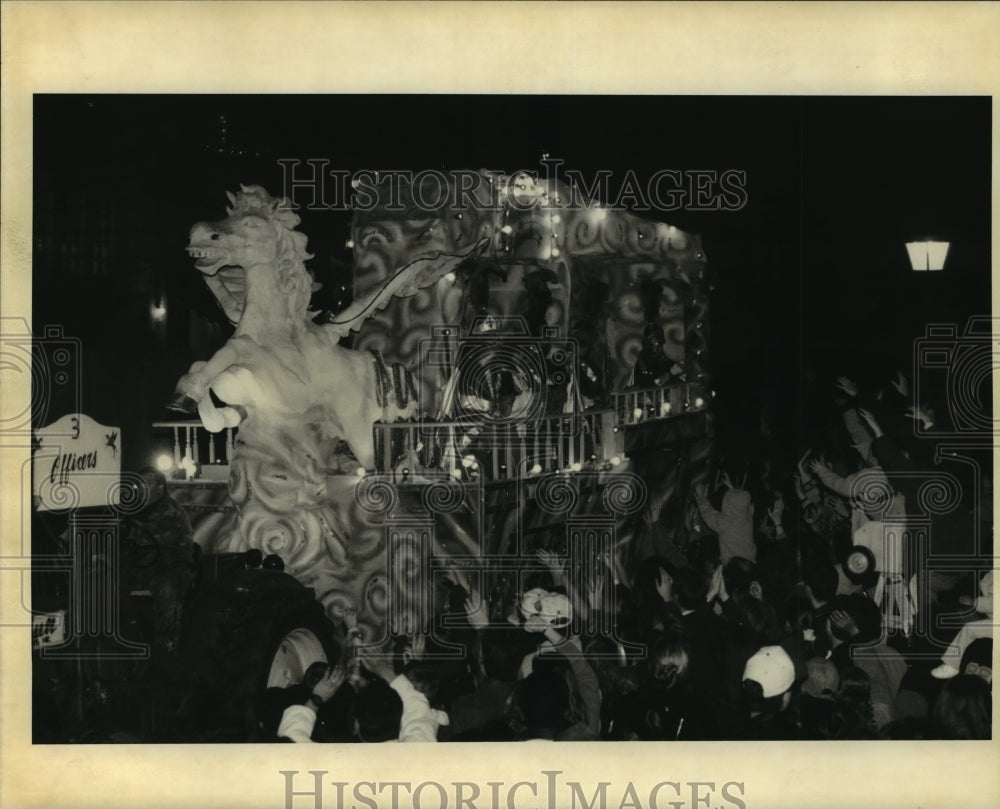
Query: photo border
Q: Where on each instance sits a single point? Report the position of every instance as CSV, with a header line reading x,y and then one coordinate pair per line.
x,y
712,48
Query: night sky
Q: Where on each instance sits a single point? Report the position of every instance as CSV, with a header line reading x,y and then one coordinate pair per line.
x,y
812,276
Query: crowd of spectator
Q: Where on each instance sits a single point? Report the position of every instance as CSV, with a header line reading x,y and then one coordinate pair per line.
x,y
800,604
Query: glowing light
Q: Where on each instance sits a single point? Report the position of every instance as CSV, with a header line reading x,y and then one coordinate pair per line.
x,y
158,312
535,469
507,229
927,255
450,278
699,402
350,244
188,466
164,462
456,473
360,472
637,413
556,218
576,467
555,251
616,461
664,408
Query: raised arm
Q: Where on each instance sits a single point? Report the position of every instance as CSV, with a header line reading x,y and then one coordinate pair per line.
x,y
586,679
711,516
298,721
831,479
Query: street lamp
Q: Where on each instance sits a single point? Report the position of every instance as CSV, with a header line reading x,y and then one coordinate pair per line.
x,y
927,255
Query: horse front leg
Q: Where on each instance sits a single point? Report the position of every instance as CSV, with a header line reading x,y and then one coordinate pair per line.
x,y
189,390
239,389
193,386
354,403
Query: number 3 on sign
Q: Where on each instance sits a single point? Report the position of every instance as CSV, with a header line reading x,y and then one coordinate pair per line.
x,y
75,421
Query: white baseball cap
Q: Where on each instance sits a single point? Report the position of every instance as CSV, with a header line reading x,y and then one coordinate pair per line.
x,y
772,668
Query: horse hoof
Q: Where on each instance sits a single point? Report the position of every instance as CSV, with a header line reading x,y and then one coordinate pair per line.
x,y
182,403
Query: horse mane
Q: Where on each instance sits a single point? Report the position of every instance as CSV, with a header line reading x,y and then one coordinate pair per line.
x,y
293,277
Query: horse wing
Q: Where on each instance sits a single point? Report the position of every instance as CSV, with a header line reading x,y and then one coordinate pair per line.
x,y
419,273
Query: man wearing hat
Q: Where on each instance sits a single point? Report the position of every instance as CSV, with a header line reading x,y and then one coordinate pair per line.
x,y
768,678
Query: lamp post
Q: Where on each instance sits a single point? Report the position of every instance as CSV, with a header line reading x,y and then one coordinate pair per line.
x,y
927,256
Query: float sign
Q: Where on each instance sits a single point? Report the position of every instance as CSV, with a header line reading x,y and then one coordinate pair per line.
x,y
76,462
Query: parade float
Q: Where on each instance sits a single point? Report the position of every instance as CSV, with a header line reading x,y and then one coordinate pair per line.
x,y
527,370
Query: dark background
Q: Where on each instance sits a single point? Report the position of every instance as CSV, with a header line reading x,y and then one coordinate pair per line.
x,y
812,276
